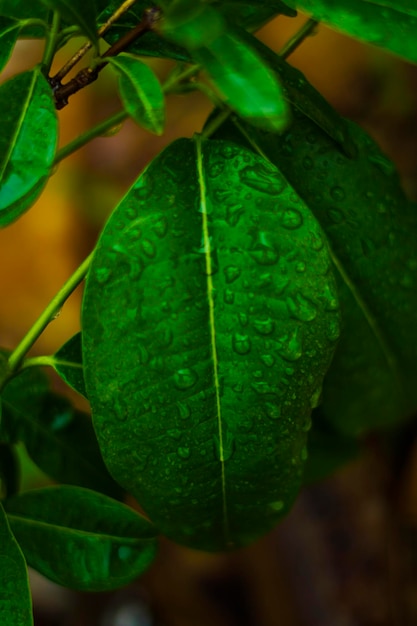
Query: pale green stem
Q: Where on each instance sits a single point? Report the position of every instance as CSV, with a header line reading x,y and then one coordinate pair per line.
x,y
37,361
50,312
97,131
50,44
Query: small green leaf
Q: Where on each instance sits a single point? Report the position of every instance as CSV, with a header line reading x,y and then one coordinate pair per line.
x,y
59,439
67,362
81,539
27,142
205,319
9,31
78,13
9,470
391,24
15,599
141,92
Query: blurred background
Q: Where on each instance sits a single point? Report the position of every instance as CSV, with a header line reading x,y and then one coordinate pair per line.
x,y
347,553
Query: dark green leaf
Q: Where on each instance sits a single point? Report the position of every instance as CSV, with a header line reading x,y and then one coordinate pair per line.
x,y
15,600
9,30
68,364
372,231
81,539
252,13
27,142
78,13
59,439
391,24
9,471
141,92
206,318
24,10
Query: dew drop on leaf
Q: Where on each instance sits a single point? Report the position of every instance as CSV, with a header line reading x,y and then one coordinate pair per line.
x,y
185,378
231,273
301,308
291,219
337,193
273,411
228,296
264,326
241,343
290,347
184,453
268,360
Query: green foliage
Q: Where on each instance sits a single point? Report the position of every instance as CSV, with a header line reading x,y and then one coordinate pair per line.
x,y
15,600
81,539
249,310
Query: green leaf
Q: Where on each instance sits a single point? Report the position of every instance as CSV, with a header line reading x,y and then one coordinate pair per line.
x,y
246,84
201,390
9,470
251,14
15,599
24,10
391,24
59,439
68,363
372,232
81,539
9,31
78,13
141,92
27,142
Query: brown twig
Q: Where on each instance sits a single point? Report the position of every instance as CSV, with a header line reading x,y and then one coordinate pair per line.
x,y
88,75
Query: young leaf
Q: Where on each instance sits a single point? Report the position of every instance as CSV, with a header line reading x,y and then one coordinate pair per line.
x,y
59,439
372,232
27,142
141,92
15,599
81,539
247,85
9,31
391,24
68,363
79,13
201,391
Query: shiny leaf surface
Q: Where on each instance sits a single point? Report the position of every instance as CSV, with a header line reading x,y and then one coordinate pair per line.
x,y
78,13
27,143
15,599
141,92
81,539
391,24
59,439
201,391
372,232
68,363
9,30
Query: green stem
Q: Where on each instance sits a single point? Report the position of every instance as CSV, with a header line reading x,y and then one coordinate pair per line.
x,y
101,129
34,22
215,123
50,45
295,41
176,78
18,354
37,361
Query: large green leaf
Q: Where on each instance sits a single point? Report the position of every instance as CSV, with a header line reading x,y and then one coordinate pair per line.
x,y
9,470
372,231
141,92
79,13
391,24
81,539
59,439
68,363
208,323
15,600
9,30
27,142
245,83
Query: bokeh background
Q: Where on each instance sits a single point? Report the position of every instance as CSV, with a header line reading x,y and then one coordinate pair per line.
x,y
347,553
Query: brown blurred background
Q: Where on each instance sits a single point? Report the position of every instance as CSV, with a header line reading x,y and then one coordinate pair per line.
x,y
347,553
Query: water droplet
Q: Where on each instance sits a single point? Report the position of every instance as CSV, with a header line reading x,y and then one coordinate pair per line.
x,y
268,360
336,216
184,453
148,248
289,371
263,177
277,506
264,326
315,398
183,410
337,193
262,388
301,308
290,346
308,163
241,343
330,298
160,227
264,254
233,214
257,374
228,296
231,273
317,242
291,219
216,167
102,274
300,267
333,330
185,378
385,165
243,319
273,410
